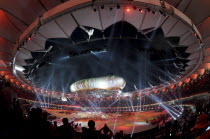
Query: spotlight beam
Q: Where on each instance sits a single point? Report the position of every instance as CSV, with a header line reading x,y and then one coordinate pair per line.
x,y
156,99
115,122
113,103
164,73
93,106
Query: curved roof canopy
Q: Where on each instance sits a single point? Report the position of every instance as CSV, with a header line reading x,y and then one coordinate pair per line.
x,y
29,42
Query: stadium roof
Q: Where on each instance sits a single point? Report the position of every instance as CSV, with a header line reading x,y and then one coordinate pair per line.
x,y
27,27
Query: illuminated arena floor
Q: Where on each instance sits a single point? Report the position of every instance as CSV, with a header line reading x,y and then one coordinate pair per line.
x,y
129,122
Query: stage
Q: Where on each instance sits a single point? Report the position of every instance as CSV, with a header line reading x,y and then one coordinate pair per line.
x,y
129,122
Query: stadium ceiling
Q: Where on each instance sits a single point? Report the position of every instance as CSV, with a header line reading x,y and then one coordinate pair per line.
x,y
26,25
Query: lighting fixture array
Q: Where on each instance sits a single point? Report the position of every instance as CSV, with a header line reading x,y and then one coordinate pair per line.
x,y
127,9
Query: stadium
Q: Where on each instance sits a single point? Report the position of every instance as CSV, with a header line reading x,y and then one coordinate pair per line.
x,y
139,67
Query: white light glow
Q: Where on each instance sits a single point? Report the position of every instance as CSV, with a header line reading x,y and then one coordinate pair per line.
x,y
107,82
126,94
102,85
19,68
63,98
141,123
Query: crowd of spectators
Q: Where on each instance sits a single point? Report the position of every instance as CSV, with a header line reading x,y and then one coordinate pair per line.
x,y
34,123
190,125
